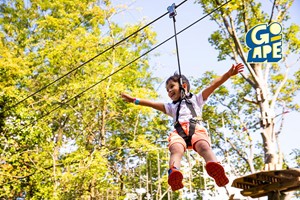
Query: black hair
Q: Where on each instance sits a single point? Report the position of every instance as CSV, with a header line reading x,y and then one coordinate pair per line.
x,y
176,78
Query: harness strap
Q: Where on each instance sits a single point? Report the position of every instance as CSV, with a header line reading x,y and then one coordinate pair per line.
x,y
190,106
181,132
192,124
177,112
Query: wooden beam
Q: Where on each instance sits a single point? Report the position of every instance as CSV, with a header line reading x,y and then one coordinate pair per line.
x,y
263,183
265,189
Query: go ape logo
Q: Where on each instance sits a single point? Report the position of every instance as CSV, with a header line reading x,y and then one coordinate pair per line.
x,y
265,43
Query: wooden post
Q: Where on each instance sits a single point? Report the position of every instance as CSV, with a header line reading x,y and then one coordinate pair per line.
x,y
158,177
147,177
140,172
190,172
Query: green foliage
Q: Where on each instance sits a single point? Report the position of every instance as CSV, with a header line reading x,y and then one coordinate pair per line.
x,y
74,141
58,144
292,35
218,41
296,154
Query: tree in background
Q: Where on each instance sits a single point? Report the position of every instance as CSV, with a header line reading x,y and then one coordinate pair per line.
x,y
71,140
260,97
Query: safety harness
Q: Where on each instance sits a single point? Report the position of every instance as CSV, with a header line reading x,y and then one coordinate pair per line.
x,y
193,121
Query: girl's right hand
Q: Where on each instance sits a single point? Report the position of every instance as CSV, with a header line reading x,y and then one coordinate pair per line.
x,y
127,97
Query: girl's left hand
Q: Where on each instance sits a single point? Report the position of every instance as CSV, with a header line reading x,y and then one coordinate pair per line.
x,y
235,69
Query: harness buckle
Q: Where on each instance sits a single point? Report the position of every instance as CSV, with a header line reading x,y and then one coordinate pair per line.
x,y
196,119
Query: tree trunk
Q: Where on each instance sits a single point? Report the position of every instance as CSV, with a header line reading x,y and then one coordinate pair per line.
x,y
266,118
103,121
58,141
158,177
272,161
92,186
267,126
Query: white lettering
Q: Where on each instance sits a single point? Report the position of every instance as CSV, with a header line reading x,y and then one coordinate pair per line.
x,y
276,50
256,52
264,38
266,50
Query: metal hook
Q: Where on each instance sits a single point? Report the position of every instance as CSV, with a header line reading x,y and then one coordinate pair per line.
x,y
172,11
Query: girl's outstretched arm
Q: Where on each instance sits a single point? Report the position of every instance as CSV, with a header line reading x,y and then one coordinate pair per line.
x,y
235,69
144,102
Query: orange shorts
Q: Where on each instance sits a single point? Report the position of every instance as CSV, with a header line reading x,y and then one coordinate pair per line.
x,y
200,134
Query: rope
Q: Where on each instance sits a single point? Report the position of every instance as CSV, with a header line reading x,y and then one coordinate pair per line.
x,y
121,68
172,13
177,49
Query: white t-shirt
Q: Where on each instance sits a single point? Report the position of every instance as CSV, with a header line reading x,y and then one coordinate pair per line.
x,y
185,113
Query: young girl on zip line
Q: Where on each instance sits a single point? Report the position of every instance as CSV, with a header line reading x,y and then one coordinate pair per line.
x,y
189,133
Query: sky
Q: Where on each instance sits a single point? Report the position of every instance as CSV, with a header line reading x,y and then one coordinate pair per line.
x,y
196,54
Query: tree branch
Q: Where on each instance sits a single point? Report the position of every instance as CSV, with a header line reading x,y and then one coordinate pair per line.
x,y
245,17
231,30
275,96
272,12
283,12
248,80
240,153
18,177
248,160
250,101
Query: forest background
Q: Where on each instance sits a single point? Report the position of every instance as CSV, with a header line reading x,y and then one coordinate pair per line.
x,y
74,138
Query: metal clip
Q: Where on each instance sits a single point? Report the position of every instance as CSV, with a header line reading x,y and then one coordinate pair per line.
x,y
172,11
196,119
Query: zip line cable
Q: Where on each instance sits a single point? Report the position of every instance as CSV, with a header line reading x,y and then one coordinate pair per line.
x,y
86,62
121,68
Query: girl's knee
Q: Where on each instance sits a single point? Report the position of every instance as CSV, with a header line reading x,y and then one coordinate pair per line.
x,y
202,145
177,148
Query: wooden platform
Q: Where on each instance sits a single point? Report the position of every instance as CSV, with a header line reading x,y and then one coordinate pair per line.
x,y
263,183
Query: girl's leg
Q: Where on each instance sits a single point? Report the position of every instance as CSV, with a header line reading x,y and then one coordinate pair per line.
x,y
175,176
177,152
204,150
213,168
